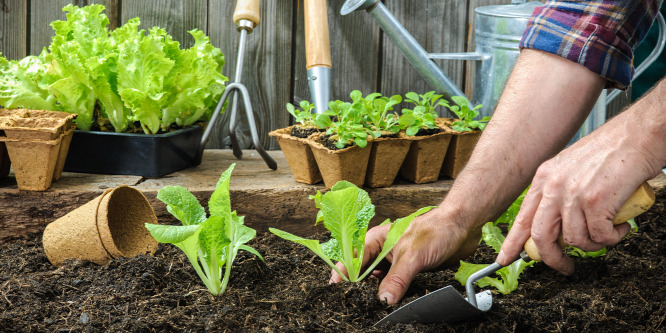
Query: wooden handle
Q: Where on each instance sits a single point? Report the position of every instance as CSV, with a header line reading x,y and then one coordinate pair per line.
x,y
247,10
317,44
639,202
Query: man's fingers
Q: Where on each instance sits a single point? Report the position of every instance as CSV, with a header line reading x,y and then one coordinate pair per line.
x,y
374,241
394,285
546,229
521,230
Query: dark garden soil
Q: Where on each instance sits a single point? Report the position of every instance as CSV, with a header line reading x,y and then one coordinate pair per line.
x,y
625,291
303,132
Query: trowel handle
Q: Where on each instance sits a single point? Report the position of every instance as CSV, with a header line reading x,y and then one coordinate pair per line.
x,y
247,10
640,201
317,43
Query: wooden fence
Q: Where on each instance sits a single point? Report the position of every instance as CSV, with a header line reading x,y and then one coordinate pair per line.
x,y
274,72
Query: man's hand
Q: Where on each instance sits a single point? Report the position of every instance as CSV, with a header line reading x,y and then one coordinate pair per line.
x,y
430,241
578,192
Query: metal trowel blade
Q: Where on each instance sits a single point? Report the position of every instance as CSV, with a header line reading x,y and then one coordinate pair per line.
x,y
440,306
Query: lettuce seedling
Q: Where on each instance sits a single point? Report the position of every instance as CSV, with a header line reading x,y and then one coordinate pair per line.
x,y
346,126
304,116
375,109
508,276
466,115
346,211
423,115
210,244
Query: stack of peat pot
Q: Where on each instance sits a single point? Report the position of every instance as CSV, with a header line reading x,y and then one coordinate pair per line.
x,y
418,159
36,142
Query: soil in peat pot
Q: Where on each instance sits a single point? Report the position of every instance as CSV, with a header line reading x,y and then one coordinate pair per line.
x,y
625,291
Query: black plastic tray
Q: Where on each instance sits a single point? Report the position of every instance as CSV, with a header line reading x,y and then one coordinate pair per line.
x,y
134,154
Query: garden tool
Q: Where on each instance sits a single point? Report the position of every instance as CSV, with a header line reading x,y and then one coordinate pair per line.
x,y
318,53
246,17
448,305
498,31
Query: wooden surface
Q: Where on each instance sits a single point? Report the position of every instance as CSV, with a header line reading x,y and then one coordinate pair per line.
x,y
267,198
362,56
248,10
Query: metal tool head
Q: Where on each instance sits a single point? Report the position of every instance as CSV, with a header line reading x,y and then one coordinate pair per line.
x,y
445,305
354,5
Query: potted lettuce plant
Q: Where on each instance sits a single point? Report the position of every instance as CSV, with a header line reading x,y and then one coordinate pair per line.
x,y
137,95
466,132
294,144
429,141
388,149
342,152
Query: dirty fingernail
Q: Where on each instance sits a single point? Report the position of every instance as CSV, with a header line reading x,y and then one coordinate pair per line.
x,y
386,297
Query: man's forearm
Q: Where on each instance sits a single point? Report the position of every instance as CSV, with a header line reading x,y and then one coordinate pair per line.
x,y
546,100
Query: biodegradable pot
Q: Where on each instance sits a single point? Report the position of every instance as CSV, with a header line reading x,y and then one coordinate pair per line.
x,y
299,156
109,226
459,151
348,164
425,157
386,158
37,128
147,155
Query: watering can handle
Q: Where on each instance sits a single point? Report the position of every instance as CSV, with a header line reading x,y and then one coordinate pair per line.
x,y
639,202
658,48
247,10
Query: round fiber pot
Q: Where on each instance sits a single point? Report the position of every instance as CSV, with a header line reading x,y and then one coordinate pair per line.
x,y
107,227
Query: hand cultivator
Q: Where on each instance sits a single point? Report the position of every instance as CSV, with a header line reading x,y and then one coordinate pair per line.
x,y
246,17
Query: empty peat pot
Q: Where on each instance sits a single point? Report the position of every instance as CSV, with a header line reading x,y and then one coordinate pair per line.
x,y
110,226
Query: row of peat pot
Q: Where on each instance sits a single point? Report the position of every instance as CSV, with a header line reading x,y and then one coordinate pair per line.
x,y
35,143
418,159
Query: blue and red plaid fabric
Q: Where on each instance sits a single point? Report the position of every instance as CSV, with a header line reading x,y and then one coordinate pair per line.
x,y
600,35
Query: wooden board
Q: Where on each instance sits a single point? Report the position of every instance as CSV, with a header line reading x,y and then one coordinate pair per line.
x,y
13,29
265,197
355,53
266,69
440,27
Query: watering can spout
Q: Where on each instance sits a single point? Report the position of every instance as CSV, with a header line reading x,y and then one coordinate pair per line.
x,y
407,44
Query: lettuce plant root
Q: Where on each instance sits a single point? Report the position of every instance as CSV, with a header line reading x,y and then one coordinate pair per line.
x,y
625,291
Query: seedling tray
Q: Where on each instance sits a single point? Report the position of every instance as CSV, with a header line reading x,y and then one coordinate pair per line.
x,y
134,154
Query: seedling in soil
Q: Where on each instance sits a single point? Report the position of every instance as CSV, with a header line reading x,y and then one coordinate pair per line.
x,y
466,115
346,211
423,115
347,127
304,116
375,108
210,244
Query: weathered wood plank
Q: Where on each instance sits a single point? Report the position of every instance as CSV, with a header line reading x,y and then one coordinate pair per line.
x,y
440,27
265,197
355,45
177,17
13,29
266,69
43,12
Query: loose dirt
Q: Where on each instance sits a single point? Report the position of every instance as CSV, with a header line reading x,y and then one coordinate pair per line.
x,y
624,291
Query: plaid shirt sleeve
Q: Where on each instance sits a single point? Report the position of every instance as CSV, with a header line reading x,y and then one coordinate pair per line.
x,y
600,35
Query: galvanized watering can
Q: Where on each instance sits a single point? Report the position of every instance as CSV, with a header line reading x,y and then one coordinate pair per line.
x,y
498,31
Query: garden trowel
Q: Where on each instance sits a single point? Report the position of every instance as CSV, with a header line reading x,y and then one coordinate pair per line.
x,y
448,305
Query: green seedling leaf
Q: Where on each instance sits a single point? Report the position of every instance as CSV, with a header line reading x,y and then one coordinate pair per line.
x,y
346,211
210,244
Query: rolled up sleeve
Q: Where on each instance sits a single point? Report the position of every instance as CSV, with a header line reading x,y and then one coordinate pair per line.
x,y
600,35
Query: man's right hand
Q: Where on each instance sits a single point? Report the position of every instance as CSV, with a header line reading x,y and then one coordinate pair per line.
x,y
430,242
